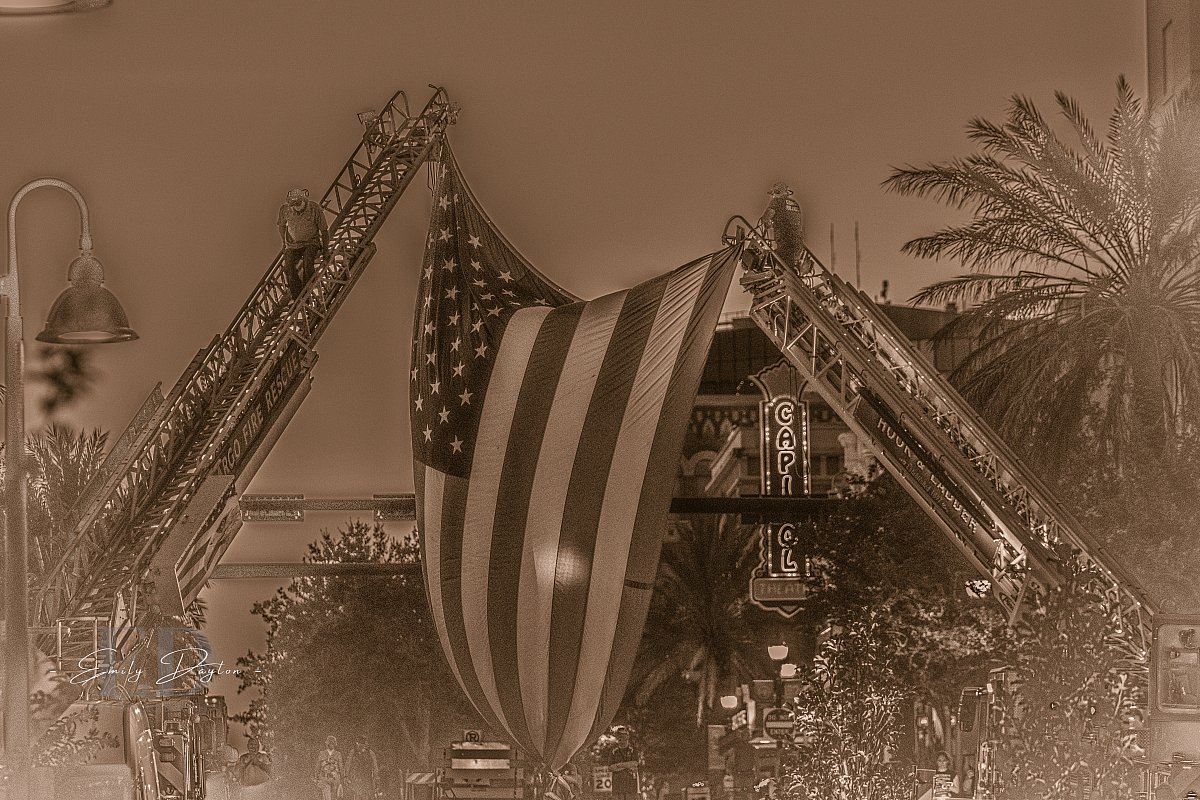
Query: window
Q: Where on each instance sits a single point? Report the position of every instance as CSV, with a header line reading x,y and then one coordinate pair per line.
x,y
1178,668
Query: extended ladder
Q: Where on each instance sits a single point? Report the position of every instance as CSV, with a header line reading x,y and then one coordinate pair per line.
x,y
1003,519
167,512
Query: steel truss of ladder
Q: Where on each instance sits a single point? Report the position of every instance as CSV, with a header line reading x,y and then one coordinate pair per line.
x,y
167,511
1000,515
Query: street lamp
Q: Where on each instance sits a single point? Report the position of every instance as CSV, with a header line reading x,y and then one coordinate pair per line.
x,y
36,7
85,312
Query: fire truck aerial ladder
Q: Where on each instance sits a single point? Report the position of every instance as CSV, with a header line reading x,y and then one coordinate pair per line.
x,y
1002,518
165,509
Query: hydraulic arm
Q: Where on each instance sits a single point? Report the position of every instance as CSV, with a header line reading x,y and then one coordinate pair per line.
x,y
1003,519
166,509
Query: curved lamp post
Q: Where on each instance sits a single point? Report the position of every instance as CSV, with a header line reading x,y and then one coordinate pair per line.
x,y
36,7
85,312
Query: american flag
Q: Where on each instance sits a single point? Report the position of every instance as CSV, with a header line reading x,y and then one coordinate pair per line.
x,y
546,435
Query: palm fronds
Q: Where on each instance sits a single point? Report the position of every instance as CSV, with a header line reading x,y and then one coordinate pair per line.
x,y
1084,291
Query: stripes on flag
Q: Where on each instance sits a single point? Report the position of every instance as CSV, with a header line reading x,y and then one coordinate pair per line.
x,y
540,550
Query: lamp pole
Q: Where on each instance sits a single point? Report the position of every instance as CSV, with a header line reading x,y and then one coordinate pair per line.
x,y
84,312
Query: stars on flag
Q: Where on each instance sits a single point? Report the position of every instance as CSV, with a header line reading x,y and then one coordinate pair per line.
x,y
462,316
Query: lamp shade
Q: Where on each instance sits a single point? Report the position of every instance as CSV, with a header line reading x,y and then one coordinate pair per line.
x,y
85,312
31,7
777,652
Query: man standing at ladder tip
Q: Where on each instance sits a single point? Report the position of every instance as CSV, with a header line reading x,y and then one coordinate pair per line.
x,y
783,224
305,234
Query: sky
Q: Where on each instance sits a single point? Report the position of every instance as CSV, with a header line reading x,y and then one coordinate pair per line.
x,y
609,141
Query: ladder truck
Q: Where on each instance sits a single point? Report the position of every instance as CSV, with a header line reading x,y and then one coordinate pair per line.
x,y
153,525
1000,516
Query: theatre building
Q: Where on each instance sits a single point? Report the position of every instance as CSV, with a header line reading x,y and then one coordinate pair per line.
x,y
811,451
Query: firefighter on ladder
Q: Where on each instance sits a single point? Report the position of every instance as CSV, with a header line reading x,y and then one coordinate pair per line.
x,y
305,236
783,225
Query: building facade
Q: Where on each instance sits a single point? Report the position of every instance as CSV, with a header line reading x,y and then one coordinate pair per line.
x,y
723,451
1172,48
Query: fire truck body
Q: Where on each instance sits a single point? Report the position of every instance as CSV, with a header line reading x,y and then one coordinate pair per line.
x,y
124,765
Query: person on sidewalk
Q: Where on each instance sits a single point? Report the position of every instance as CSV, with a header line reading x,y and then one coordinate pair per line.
x,y
362,770
331,770
624,762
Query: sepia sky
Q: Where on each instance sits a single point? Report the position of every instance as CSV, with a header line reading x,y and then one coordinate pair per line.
x,y
610,141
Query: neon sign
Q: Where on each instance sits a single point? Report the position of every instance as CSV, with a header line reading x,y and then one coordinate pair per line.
x,y
779,582
784,447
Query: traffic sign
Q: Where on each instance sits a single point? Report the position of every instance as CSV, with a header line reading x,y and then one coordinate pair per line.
x,y
779,723
601,779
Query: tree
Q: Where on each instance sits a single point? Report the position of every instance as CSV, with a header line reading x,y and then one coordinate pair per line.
x,y
68,372
1084,288
850,710
875,556
352,655
1068,692
701,623
60,465
879,554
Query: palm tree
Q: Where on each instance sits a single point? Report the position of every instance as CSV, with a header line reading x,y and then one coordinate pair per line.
x,y
701,624
61,464
1084,286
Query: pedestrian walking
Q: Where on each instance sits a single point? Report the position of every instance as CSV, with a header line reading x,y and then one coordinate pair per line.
x,y
305,235
253,768
330,771
362,770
